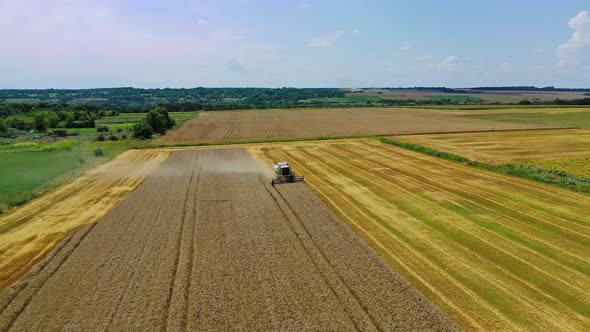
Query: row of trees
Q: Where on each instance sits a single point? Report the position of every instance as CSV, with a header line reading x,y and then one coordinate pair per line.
x,y
156,121
40,117
143,100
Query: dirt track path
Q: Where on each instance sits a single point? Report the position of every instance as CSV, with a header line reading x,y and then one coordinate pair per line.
x,y
205,243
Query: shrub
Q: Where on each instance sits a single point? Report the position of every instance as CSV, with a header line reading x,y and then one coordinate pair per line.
x,y
113,137
124,136
98,152
60,132
100,137
142,129
159,120
102,129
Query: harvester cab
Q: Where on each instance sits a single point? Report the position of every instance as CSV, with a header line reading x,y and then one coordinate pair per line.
x,y
284,174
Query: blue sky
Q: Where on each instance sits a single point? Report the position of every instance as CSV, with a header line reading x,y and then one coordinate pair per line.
x,y
323,43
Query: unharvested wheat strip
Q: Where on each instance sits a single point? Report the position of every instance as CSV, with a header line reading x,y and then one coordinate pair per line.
x,y
408,180
413,275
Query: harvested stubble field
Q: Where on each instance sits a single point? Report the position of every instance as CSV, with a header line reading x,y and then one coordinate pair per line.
x,y
502,147
494,252
205,243
281,124
28,233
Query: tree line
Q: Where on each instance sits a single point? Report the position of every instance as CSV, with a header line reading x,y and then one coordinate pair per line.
x,y
43,116
143,100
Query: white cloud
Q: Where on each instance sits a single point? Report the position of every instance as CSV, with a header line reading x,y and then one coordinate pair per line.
x,y
451,64
505,67
570,52
405,48
540,50
304,6
426,57
356,31
89,43
202,22
325,40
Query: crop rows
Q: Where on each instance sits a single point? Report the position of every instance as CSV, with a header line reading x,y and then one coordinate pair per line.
x,y
494,252
205,243
502,147
284,124
33,230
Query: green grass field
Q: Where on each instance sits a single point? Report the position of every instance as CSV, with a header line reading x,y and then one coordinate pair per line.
x,y
348,99
567,119
28,169
130,118
459,99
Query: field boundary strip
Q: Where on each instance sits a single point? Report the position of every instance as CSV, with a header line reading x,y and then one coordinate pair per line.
x,y
328,138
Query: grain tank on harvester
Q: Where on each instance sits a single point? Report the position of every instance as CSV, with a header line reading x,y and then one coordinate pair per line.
x,y
285,174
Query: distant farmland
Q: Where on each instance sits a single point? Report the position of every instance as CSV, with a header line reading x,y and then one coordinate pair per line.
x,y
495,252
223,126
501,147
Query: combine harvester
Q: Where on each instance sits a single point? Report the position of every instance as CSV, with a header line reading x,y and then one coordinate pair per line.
x,y
284,174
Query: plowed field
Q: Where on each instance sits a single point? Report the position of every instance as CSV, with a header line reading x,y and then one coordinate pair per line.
x,y
30,232
281,124
494,252
205,243
502,147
